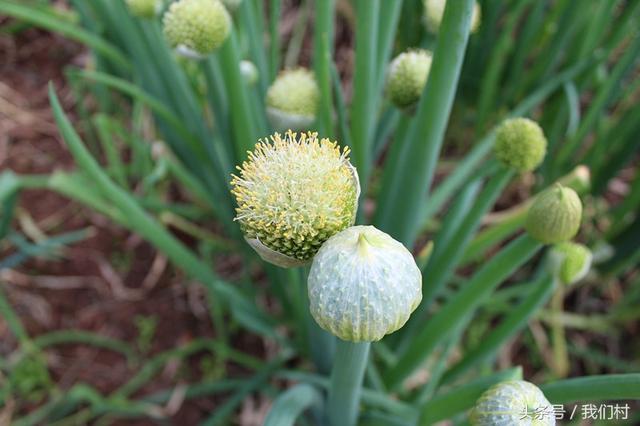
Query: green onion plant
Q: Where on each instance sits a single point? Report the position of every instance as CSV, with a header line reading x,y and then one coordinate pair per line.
x,y
374,204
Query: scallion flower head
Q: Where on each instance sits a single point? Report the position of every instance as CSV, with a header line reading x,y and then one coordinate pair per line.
x,y
520,144
363,285
555,215
512,403
195,28
292,100
434,11
144,8
570,262
407,77
293,193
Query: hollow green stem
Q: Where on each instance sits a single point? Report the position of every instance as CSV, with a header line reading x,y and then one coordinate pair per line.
x,y
346,382
323,51
243,124
400,214
363,106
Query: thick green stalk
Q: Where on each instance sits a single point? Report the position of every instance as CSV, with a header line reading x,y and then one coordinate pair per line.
x,y
243,124
346,382
323,52
389,16
461,306
252,21
399,214
490,87
322,345
558,336
363,107
274,38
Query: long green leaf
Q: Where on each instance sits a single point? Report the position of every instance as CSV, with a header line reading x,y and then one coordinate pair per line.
x,y
459,308
398,212
593,388
291,404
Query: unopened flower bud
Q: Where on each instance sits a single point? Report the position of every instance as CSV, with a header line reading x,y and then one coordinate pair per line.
x,y
249,72
293,193
520,144
434,11
195,28
512,403
144,8
363,285
555,215
407,77
292,100
570,262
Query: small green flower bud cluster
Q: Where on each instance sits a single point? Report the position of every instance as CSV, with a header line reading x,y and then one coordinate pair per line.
x,y
520,144
434,11
512,403
293,193
570,262
407,77
363,285
292,100
144,8
195,28
555,215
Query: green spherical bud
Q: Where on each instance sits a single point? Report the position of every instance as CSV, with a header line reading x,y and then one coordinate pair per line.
x,y
292,100
520,144
195,28
363,285
249,72
293,193
434,11
512,403
407,77
570,262
144,8
555,215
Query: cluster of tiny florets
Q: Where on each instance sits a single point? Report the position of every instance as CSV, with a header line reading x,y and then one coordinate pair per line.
x,y
196,26
294,192
407,77
520,144
144,8
295,92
